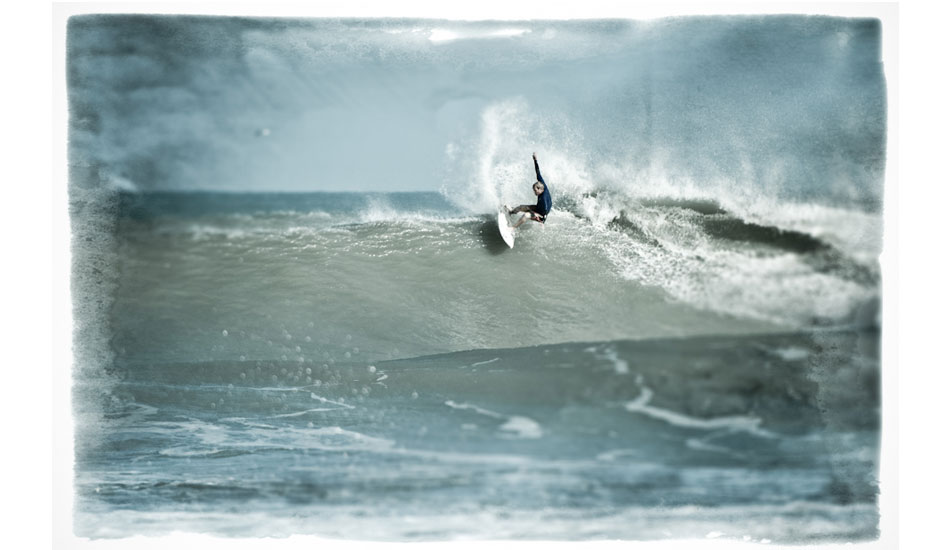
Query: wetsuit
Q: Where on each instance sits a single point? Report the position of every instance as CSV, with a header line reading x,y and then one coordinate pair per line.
x,y
544,199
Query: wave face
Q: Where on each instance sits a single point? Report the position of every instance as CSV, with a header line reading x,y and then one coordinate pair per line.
x,y
291,300
395,275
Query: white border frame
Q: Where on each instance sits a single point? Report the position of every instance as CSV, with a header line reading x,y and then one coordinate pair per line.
x,y
60,261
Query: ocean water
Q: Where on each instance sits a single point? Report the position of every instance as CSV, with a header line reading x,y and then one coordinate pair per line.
x,y
690,346
378,367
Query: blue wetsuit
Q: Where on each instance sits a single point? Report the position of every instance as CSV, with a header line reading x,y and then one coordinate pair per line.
x,y
544,199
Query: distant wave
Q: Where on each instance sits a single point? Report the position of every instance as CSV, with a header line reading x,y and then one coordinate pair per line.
x,y
707,383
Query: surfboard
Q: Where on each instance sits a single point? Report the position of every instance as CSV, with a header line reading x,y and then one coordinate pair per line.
x,y
506,232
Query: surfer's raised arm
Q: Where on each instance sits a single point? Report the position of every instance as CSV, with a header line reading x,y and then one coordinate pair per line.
x,y
537,169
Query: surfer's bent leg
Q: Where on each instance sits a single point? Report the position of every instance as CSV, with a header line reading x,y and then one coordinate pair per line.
x,y
532,215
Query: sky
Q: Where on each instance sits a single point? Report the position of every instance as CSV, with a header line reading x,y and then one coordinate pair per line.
x,y
781,104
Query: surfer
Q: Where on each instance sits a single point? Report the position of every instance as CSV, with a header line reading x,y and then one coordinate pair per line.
x,y
536,212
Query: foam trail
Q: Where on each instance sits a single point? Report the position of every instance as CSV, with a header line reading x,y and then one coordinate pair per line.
x,y
518,426
479,410
301,413
749,424
325,400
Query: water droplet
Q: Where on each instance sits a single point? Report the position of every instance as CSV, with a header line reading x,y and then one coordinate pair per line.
x,y
372,368
224,332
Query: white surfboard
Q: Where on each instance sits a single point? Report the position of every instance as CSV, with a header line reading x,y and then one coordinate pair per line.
x,y
506,232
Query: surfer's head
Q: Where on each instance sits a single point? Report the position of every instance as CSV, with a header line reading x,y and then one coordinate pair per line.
x,y
538,188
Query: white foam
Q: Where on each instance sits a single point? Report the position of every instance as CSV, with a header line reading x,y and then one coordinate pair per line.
x,y
185,452
858,233
189,452
621,366
330,438
792,353
514,426
440,35
365,522
380,210
301,413
330,401
522,427
749,424
202,232
479,410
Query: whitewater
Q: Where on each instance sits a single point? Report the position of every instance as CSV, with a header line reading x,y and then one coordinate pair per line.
x,y
295,315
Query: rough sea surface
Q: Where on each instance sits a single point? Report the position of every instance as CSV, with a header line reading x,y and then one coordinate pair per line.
x,y
689,346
